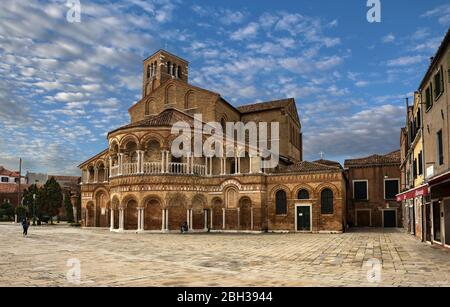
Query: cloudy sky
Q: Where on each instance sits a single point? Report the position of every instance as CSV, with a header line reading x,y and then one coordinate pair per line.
x,y
64,85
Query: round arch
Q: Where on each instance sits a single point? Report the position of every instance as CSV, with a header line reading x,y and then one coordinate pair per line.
x,y
306,187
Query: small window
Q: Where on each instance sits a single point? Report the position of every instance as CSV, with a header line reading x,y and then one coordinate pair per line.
x,y
179,72
169,65
391,188
303,194
440,148
327,201
420,162
360,190
415,168
5,179
281,205
438,84
428,98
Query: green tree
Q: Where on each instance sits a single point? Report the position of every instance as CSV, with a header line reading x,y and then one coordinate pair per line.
x,y
6,209
53,198
34,200
68,207
21,212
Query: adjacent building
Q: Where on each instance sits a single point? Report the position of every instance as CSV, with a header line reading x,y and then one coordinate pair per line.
x,y
9,186
137,184
374,182
426,163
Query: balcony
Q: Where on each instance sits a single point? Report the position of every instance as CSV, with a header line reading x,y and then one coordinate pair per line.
x,y
119,168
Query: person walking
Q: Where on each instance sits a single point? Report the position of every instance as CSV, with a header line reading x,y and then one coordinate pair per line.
x,y
25,226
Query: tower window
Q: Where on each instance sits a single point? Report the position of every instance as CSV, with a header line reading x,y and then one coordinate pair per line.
x,y
179,72
148,71
169,66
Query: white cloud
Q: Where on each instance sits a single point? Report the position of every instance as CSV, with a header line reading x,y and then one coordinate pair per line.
x,y
249,31
390,38
406,60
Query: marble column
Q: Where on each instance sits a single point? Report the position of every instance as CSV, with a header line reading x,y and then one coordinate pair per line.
x,y
111,226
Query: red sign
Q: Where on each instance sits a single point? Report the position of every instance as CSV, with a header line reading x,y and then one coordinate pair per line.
x,y
421,191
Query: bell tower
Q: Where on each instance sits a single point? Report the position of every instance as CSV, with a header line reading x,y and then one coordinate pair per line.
x,y
162,66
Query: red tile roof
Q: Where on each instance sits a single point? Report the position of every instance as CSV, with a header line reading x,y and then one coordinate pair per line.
x,y
7,188
166,118
264,106
308,167
329,163
6,172
392,158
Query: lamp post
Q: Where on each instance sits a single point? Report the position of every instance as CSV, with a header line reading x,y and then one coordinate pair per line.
x,y
34,209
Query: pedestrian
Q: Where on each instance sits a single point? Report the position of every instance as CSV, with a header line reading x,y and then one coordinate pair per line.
x,y
25,225
184,227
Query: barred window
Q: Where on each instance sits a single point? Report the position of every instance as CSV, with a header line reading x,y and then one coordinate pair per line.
x,y
327,201
281,206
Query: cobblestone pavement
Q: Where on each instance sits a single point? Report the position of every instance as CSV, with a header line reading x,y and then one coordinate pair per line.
x,y
112,259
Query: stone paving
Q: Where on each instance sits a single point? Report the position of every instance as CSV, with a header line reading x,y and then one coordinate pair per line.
x,y
125,259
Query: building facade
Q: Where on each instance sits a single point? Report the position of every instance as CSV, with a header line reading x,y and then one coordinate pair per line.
x,y
9,186
374,182
427,197
137,184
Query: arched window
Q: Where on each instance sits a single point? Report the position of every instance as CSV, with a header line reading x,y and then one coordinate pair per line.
x,y
155,67
148,71
169,65
281,206
327,201
179,72
303,194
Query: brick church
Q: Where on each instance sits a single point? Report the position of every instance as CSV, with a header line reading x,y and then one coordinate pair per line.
x,y
137,185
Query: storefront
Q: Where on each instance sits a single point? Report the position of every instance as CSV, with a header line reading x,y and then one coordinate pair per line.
x,y
413,202
440,199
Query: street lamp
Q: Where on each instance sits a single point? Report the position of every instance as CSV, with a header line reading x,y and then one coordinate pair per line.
x,y
34,209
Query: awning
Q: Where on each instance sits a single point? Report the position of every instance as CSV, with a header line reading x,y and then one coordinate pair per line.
x,y
413,193
439,179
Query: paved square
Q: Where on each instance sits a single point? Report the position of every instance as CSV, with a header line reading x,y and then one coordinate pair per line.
x,y
112,259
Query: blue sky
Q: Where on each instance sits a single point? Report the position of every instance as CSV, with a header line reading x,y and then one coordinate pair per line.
x,y
64,85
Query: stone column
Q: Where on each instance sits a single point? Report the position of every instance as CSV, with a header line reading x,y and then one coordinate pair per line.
x,y
223,218
73,201
142,219
188,218
163,220
140,161
121,219
251,218
111,226
167,219
139,219
236,170
205,213
250,163
96,174
211,217
167,161
120,164
239,217
191,220
110,166
210,166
